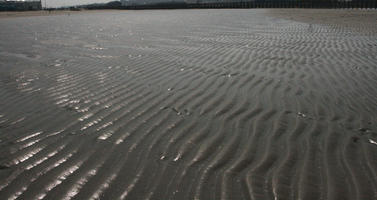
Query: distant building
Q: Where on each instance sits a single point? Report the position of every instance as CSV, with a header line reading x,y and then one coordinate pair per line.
x,y
20,5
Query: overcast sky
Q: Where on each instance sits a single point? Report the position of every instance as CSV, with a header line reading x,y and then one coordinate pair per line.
x,y
59,3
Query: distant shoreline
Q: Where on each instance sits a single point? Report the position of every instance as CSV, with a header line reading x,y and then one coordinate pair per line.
x,y
297,14
11,14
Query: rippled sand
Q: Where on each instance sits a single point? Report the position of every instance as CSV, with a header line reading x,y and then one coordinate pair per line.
x,y
189,104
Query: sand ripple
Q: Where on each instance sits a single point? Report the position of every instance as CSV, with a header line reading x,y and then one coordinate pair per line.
x,y
188,104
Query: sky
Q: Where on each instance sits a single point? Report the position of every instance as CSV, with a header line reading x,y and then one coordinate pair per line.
x,y
59,3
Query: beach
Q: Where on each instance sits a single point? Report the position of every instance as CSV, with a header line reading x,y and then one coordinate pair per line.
x,y
228,104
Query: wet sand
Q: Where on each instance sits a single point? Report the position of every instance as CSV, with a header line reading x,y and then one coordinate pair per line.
x,y
357,19
189,104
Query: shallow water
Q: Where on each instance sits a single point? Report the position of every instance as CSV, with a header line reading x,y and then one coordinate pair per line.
x,y
186,104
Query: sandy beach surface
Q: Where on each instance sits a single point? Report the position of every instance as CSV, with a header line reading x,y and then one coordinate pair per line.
x,y
189,104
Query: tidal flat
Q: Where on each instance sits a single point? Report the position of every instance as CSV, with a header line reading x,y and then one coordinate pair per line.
x,y
230,104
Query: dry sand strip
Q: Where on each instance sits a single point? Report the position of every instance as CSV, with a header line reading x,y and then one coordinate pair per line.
x,y
188,104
